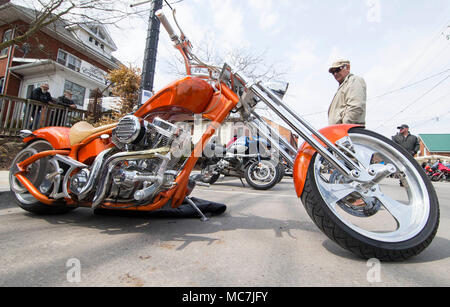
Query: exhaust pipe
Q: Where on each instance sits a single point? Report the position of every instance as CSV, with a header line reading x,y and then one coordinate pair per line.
x,y
112,162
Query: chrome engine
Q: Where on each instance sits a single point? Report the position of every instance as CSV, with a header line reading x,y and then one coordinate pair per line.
x,y
142,164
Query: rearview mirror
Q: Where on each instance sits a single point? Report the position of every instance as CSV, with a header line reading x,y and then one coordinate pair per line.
x,y
278,87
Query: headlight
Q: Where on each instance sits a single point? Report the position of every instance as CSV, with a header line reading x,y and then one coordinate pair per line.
x,y
128,129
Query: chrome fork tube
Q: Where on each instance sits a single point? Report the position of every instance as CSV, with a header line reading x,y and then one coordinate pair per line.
x,y
307,132
258,123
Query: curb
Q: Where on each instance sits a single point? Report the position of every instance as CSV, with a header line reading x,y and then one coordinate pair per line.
x,y
4,181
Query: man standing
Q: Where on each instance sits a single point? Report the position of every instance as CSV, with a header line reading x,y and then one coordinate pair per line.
x,y
40,94
405,139
349,103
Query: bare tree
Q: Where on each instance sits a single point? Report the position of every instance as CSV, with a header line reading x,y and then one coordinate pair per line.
x,y
257,67
68,12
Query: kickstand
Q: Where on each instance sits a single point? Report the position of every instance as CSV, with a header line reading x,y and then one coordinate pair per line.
x,y
203,218
243,184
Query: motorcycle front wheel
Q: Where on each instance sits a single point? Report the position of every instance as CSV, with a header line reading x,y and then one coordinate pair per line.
x,y
384,220
262,175
36,173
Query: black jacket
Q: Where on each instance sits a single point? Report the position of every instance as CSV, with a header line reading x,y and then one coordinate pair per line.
x,y
410,142
65,102
38,95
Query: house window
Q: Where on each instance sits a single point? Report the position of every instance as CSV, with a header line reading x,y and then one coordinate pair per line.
x,y
78,92
62,57
69,60
7,35
2,82
30,89
74,63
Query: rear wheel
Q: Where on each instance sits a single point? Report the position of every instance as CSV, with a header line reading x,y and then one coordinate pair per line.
x,y
383,220
36,174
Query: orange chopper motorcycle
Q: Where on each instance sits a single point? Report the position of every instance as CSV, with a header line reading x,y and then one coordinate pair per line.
x,y
339,172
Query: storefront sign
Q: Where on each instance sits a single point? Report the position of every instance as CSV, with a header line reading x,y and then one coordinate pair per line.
x,y
93,72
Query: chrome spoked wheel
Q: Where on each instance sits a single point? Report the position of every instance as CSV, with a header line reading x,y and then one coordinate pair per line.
x,y
262,175
394,213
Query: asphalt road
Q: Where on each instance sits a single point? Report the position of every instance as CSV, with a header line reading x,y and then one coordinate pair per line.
x,y
264,239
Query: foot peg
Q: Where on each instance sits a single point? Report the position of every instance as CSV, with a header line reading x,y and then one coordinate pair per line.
x,y
203,218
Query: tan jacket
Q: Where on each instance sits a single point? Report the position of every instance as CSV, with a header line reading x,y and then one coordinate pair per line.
x,y
349,103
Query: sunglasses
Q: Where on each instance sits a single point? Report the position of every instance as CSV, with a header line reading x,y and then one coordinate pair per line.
x,y
336,70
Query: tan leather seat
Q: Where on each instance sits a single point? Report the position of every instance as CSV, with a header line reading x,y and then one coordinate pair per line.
x,y
83,130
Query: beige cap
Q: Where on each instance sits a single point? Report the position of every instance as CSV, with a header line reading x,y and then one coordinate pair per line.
x,y
338,64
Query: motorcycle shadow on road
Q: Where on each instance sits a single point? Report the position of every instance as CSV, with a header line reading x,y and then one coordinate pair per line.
x,y
186,230
235,182
168,231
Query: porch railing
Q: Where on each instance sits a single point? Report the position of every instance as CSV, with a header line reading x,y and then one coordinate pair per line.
x,y
18,114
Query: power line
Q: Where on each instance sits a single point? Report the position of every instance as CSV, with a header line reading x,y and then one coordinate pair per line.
x,y
408,86
428,120
434,102
416,100
422,53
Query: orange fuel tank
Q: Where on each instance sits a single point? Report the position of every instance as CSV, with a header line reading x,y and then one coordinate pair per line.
x,y
191,94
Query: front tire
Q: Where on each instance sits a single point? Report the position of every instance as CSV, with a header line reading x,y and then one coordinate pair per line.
x,y
36,174
379,222
262,175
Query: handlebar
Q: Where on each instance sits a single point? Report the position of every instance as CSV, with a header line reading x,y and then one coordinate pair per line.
x,y
162,18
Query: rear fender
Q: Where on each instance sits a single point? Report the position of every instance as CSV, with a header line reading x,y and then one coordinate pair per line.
x,y
58,137
306,152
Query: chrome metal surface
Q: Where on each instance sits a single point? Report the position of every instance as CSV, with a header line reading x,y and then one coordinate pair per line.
x,y
94,173
308,133
111,163
260,125
262,172
128,129
400,217
158,180
73,165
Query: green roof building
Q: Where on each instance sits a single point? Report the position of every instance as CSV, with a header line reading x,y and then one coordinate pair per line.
x,y
434,145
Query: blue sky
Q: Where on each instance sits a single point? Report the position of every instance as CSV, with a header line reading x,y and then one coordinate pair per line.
x,y
391,44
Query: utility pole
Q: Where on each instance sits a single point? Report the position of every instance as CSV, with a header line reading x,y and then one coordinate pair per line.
x,y
151,48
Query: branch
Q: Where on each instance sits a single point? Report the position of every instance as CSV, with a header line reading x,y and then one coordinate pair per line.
x,y
43,21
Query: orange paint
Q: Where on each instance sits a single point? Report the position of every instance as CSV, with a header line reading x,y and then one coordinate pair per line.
x,y
306,152
58,137
88,152
190,93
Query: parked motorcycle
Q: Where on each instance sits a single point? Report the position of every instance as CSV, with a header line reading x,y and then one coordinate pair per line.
x,y
135,164
439,173
244,158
